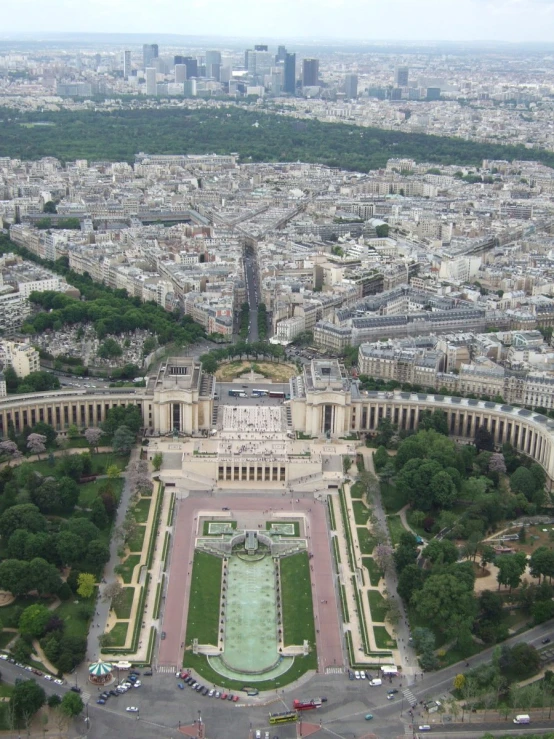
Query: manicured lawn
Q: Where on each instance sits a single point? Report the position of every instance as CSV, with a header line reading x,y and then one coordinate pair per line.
x,y
396,529
375,573
366,540
296,594
393,501
140,511
199,663
455,654
205,592
6,690
357,490
9,615
118,635
376,605
100,462
70,612
89,491
382,638
124,610
136,542
361,513
126,569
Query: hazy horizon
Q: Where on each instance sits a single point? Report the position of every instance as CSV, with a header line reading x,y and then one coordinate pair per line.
x,y
512,21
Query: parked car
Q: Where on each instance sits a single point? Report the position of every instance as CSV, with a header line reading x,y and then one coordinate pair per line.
x,y
368,716
393,691
132,709
77,689
138,684
162,635
148,673
424,727
101,702
181,686
211,693
546,640
205,691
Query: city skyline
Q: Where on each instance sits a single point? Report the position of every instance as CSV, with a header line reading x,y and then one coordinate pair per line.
x,y
401,20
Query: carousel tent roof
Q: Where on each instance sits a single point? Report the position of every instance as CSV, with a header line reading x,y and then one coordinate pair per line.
x,y
100,668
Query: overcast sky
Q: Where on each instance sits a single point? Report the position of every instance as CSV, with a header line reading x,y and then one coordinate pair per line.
x,y
500,20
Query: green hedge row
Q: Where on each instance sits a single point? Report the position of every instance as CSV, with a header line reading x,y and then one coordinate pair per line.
x,y
331,514
165,553
157,602
344,605
155,524
171,510
361,616
347,530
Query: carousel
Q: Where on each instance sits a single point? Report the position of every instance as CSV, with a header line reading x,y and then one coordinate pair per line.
x,y
100,673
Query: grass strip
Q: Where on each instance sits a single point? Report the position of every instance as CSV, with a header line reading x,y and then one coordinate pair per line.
x,y
205,597
157,602
296,595
171,511
332,521
155,524
375,573
336,552
383,639
344,605
165,553
361,616
151,642
347,531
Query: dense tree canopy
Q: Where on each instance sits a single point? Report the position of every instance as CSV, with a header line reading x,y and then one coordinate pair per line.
x,y
118,135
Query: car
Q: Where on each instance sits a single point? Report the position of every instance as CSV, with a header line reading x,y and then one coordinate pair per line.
x,y
362,674
252,692
258,734
181,686
546,640
184,674
138,684
230,697
368,675
58,681
350,675
163,635
191,681
76,689
121,689
148,673
424,727
266,735
224,696
217,694
205,691
105,695
28,668
235,698
368,716
135,672
132,709
211,693
393,691
199,688
357,674
101,702
37,672
3,656
224,508
113,692
390,697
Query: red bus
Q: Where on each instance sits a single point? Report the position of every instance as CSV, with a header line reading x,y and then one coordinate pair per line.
x,y
276,394
306,705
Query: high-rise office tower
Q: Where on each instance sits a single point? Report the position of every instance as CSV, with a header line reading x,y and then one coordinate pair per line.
x,y
213,64
126,64
281,54
351,86
149,53
180,72
179,59
310,72
402,76
260,47
151,80
191,63
289,82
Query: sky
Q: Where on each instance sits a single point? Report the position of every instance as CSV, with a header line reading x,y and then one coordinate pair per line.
x,y
371,20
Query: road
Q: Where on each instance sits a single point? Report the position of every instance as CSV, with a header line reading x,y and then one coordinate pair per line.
x,y
251,277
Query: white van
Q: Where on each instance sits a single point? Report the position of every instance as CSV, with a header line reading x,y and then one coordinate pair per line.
x,y
522,718
376,681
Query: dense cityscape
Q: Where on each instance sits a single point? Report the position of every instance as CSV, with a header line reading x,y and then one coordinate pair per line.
x,y
276,387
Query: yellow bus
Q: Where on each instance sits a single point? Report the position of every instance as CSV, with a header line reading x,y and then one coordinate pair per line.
x,y
285,717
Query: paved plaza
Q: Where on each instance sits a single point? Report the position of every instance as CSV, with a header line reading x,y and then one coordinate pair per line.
x,y
253,418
